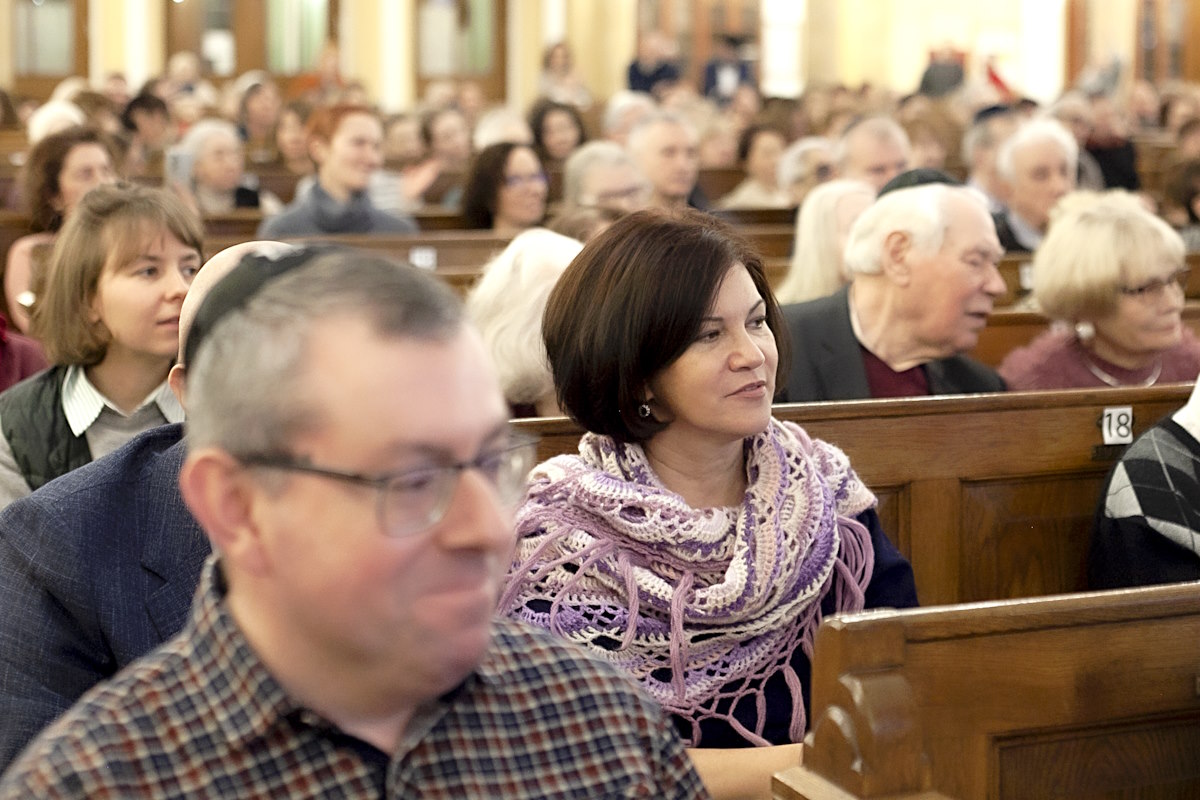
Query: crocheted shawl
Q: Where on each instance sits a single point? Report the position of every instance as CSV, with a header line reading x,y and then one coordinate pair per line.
x,y
701,606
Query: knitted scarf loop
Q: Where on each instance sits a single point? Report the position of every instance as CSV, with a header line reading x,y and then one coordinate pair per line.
x,y
700,606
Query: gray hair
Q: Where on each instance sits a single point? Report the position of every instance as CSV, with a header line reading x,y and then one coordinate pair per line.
x,y
1036,131
620,105
982,134
792,167
594,155
638,135
246,385
197,137
878,128
507,305
919,211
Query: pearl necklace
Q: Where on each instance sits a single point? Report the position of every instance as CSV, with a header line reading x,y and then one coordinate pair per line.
x,y
1111,381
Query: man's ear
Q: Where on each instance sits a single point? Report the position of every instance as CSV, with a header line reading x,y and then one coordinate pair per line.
x,y
177,380
896,257
318,149
222,495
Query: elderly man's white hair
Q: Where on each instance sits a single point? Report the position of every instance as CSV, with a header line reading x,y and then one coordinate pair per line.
x,y
596,155
877,128
637,136
1036,131
919,211
623,105
198,135
507,305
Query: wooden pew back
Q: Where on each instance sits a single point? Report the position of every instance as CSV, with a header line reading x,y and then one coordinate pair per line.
x,y
990,496
1094,695
455,256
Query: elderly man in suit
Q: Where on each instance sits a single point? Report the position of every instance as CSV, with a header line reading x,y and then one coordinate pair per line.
x,y
924,279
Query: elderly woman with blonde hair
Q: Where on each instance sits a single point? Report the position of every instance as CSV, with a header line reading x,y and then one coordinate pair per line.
x,y
507,306
822,227
1115,273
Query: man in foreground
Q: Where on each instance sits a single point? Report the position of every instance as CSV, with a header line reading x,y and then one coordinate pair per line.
x,y
351,461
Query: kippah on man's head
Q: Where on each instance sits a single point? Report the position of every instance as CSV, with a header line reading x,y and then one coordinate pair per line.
x,y
214,270
921,176
245,281
986,113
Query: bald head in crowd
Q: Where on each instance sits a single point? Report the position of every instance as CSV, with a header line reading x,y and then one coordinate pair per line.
x,y
873,150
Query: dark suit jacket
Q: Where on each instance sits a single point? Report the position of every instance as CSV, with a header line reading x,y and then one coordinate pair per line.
x,y
1004,232
745,76
97,568
827,363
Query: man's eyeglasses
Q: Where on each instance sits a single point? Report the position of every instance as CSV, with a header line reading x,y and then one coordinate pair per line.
x,y
415,500
1154,288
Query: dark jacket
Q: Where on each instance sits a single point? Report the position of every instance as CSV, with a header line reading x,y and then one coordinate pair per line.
x,y
97,568
1004,232
33,422
827,362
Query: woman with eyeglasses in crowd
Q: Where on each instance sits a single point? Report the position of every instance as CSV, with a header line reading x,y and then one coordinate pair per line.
x,y
506,189
1115,274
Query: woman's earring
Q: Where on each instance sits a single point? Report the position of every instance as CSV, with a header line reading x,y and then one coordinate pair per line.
x,y
1085,331
644,411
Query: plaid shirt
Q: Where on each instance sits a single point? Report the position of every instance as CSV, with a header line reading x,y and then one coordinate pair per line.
x,y
203,717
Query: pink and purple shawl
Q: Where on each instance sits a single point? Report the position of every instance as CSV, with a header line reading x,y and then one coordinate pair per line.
x,y
700,606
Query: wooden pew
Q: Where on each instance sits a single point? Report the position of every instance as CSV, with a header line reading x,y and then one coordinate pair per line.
x,y
1007,330
715,183
758,216
990,496
1154,153
1079,696
455,256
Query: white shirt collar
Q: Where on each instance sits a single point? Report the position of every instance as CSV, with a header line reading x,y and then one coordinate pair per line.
x,y
1188,417
82,402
